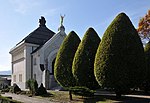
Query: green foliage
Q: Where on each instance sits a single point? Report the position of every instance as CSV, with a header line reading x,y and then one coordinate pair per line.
x,y
41,90
120,60
5,90
63,64
15,88
83,63
147,54
32,85
147,48
82,91
146,84
3,86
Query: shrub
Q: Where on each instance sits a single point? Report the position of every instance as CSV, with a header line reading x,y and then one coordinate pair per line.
x,y
15,88
32,85
64,59
41,90
83,63
3,86
5,90
120,60
82,91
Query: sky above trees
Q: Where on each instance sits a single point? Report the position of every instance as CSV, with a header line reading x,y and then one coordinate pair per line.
x,y
20,17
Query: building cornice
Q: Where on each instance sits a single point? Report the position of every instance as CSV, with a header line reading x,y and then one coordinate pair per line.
x,y
16,61
17,47
21,47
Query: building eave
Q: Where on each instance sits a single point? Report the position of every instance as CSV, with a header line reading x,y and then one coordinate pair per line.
x,y
17,47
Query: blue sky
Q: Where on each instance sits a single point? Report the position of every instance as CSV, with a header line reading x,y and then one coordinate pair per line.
x,y
20,17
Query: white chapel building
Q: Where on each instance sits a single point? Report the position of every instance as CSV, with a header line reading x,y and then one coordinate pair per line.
x,y
34,56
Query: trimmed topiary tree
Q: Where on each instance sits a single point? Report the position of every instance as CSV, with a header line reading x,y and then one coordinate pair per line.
x,y
147,54
147,80
63,65
83,63
15,88
33,86
120,60
64,59
41,90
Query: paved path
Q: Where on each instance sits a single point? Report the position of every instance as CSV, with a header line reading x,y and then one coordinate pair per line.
x,y
127,98
26,99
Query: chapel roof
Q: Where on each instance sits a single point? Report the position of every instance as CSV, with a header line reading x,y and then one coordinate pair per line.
x,y
40,35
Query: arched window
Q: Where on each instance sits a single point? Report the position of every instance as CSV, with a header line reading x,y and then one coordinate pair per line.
x,y
53,63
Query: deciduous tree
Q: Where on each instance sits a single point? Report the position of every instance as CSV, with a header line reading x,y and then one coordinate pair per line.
x,y
144,27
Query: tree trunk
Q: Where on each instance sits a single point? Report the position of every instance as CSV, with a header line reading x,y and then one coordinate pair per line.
x,y
70,95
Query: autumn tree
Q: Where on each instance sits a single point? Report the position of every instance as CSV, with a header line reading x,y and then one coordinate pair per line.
x,y
144,27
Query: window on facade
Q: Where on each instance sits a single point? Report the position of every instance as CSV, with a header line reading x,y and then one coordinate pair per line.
x,y
34,61
20,77
14,78
35,76
52,73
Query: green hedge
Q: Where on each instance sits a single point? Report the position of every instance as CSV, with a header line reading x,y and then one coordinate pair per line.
x,y
82,91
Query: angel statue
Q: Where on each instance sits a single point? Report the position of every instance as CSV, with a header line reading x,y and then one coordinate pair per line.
x,y
61,19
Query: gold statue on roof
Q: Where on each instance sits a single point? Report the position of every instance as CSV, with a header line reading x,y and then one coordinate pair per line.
x,y
61,19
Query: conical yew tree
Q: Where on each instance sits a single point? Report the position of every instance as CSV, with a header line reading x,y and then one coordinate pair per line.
x,y
83,63
120,61
64,59
147,54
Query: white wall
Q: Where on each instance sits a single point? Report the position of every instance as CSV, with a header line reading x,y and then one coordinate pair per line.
x,y
53,44
50,50
36,68
21,63
19,69
29,48
18,66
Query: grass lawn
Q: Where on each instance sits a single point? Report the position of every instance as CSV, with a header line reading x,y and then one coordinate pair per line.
x,y
63,97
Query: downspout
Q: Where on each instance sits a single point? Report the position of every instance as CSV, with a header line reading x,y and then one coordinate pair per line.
x,y
31,66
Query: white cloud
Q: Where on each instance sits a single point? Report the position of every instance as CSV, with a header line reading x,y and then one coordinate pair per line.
x,y
23,6
49,12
